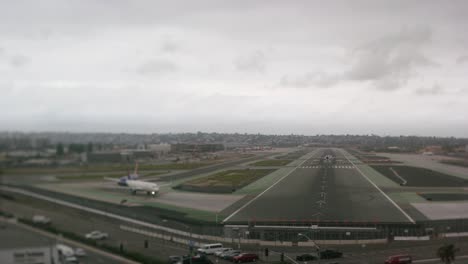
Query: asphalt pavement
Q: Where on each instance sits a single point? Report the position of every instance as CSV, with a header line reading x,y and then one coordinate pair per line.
x,y
318,190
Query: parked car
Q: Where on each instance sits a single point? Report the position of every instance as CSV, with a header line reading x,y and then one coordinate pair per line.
x,y
306,257
64,250
245,257
226,253
231,255
399,259
79,252
330,254
40,219
96,235
209,249
198,259
70,260
175,259
221,251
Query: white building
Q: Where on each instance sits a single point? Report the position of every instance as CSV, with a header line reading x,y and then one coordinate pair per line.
x,y
33,255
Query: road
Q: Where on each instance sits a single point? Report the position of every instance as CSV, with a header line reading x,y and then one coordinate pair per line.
x,y
11,233
319,190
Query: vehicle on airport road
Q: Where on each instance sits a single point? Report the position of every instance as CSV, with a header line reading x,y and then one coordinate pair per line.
x,y
79,252
399,259
245,257
330,254
307,257
41,219
64,250
198,259
221,251
209,249
96,235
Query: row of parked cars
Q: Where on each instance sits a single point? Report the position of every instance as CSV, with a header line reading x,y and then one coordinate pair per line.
x,y
230,254
216,250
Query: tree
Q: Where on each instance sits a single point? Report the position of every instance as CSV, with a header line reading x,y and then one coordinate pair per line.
x,y
89,149
446,253
59,150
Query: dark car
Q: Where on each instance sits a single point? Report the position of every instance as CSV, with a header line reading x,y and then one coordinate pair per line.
x,y
199,259
245,257
306,257
399,259
330,254
174,259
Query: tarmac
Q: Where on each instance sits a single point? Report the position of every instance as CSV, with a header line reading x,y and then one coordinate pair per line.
x,y
318,191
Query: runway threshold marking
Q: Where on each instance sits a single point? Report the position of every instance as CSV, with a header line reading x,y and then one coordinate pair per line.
x,y
377,187
266,190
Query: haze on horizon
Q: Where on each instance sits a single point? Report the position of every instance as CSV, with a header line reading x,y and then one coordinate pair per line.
x,y
274,67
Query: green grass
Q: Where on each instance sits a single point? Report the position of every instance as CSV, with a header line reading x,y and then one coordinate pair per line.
x,y
420,177
445,196
231,177
225,181
271,162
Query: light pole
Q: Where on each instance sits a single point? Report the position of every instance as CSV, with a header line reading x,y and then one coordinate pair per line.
x,y
317,248
190,243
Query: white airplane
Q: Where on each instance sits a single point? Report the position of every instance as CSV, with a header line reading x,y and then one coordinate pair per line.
x,y
130,181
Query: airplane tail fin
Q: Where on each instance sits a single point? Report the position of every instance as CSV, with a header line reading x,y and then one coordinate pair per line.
x,y
136,169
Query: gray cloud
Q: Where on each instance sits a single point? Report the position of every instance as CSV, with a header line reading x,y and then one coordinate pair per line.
x,y
170,46
254,62
319,79
436,89
19,60
462,59
388,62
157,66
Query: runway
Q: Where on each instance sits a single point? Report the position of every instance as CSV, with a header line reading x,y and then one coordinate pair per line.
x,y
321,190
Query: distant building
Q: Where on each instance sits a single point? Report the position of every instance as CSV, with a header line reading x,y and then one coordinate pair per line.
x,y
184,147
104,157
43,255
432,150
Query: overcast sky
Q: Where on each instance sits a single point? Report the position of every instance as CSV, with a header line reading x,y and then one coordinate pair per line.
x,y
276,67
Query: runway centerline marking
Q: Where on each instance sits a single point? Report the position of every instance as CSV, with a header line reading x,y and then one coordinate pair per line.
x,y
266,190
377,187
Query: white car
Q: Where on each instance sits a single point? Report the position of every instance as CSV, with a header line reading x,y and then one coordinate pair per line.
x,y
221,251
209,249
96,235
79,252
71,260
40,219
